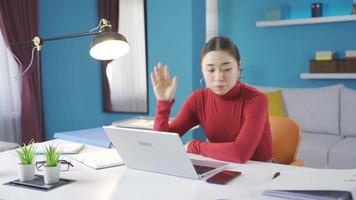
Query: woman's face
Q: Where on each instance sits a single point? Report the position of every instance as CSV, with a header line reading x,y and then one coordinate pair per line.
x,y
220,71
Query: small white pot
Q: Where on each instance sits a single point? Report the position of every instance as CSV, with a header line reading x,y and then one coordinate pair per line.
x,y
51,174
26,172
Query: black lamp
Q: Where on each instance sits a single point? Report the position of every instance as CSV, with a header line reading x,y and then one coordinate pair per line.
x,y
106,45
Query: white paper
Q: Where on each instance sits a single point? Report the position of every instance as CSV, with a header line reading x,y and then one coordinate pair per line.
x,y
99,159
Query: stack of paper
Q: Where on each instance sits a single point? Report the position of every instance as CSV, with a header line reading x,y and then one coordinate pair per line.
x,y
136,123
308,183
99,159
65,147
141,122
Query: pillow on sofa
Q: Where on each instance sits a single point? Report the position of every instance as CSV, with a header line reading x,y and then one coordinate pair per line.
x,y
275,103
266,88
347,112
315,109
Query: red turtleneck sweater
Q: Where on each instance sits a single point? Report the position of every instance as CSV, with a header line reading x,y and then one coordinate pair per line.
x,y
236,123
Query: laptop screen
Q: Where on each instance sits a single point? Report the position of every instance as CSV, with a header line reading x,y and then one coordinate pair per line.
x,y
202,169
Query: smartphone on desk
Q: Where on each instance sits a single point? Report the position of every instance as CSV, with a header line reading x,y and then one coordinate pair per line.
x,y
223,177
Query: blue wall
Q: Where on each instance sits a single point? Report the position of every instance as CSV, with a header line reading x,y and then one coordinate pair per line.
x,y
72,93
276,56
72,90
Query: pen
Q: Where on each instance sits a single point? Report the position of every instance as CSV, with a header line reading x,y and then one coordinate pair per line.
x,y
276,175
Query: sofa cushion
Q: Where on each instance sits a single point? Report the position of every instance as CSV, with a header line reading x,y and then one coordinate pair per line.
x,y
314,148
266,88
4,146
275,103
347,112
343,154
315,109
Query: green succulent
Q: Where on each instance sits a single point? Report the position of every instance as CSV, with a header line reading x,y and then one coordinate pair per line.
x,y
27,153
52,156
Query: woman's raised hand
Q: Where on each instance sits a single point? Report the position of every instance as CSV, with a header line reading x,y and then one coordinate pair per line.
x,y
163,87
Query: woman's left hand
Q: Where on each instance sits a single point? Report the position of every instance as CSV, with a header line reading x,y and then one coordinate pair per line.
x,y
164,88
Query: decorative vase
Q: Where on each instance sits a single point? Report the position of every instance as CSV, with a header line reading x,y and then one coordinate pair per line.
x,y
26,172
51,174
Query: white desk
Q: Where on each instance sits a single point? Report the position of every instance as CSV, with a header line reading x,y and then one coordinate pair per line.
x,y
123,183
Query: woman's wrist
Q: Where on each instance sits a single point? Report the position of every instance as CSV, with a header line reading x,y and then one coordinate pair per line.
x,y
165,103
186,146
165,100
193,146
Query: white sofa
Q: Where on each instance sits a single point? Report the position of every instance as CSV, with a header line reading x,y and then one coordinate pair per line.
x,y
327,116
4,146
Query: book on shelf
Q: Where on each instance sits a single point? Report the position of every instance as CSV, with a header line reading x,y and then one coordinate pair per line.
x,y
350,54
99,159
325,55
309,183
140,122
65,147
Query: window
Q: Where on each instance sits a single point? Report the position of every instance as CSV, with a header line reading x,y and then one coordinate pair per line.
x,y
127,76
10,100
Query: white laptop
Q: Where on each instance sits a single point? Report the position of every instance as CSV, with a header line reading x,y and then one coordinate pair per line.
x,y
159,152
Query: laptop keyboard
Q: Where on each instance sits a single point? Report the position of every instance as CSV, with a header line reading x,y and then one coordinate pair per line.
x,y
202,169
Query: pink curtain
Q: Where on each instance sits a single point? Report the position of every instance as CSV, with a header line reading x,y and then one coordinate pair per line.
x,y
108,9
19,22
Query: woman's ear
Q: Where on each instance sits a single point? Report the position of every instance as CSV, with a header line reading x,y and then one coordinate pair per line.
x,y
240,77
202,83
239,65
201,80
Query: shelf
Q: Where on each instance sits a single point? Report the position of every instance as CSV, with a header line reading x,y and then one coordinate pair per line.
x,y
314,20
328,75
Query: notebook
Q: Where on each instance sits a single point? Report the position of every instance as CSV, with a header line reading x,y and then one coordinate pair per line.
x,y
309,195
159,152
99,159
65,147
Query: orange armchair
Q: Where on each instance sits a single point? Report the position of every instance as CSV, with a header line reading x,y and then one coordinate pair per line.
x,y
286,135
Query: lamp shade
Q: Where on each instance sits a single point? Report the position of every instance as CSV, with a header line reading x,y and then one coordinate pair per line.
x,y
108,45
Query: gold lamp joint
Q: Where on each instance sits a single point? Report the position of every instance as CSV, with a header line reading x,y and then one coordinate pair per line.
x,y
104,24
37,42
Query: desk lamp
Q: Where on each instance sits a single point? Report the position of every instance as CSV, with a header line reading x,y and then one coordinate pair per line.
x,y
106,45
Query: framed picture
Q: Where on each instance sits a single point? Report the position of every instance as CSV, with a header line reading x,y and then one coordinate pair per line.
x,y
125,82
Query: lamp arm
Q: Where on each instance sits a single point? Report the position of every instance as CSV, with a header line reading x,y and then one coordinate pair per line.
x,y
39,41
69,36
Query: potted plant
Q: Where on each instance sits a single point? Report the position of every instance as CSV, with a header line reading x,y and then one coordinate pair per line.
x,y
26,167
52,166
